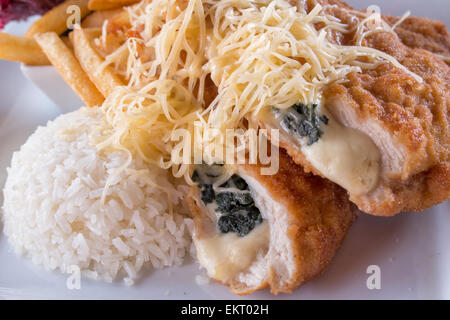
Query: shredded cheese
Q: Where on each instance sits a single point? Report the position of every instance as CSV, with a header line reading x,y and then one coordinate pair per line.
x,y
259,53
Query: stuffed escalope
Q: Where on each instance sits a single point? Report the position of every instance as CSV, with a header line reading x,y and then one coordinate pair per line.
x,y
353,105
279,231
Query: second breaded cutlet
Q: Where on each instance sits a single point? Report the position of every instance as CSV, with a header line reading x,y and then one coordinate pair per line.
x,y
406,121
306,220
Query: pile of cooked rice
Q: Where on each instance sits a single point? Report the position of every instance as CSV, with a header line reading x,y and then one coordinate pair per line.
x,y
57,210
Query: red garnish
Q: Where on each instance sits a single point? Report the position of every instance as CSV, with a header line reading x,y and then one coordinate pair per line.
x,y
16,10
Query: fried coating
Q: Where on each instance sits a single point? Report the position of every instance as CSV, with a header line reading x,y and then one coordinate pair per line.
x,y
304,235
422,33
407,120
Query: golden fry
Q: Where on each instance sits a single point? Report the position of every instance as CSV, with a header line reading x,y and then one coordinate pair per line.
x,y
109,4
119,21
105,79
21,49
67,42
96,19
57,19
69,68
99,5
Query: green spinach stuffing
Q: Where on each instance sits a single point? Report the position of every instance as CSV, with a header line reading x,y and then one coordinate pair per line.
x,y
238,212
303,121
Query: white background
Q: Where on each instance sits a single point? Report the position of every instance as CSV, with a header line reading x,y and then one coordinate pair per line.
x,y
411,248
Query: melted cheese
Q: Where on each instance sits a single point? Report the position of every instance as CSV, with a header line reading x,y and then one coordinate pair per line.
x,y
226,255
343,155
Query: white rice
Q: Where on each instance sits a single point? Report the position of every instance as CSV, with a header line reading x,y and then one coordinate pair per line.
x,y
53,212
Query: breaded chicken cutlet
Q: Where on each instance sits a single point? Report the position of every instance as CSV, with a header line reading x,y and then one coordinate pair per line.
x,y
423,33
386,134
276,231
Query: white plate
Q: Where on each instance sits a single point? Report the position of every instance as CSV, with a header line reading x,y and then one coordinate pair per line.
x,y
411,249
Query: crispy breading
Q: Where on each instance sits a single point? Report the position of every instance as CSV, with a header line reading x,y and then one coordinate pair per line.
x,y
414,115
414,32
407,120
423,33
316,219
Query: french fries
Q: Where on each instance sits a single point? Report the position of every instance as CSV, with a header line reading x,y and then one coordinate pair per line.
x,y
67,65
67,42
96,18
105,80
56,20
109,4
21,49
119,21
73,54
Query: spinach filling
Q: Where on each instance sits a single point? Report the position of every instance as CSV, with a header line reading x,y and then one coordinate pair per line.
x,y
303,121
210,173
238,211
